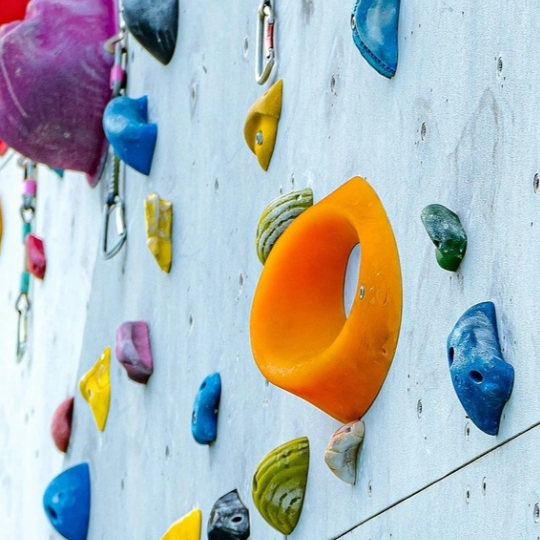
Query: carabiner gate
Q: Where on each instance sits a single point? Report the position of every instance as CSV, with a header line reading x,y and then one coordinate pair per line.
x,y
23,309
119,209
265,19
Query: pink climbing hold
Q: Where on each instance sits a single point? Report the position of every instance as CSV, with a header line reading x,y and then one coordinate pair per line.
x,y
30,187
54,83
35,253
133,350
61,424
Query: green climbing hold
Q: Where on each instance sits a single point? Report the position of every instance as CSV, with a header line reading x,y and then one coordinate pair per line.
x,y
280,482
277,216
446,232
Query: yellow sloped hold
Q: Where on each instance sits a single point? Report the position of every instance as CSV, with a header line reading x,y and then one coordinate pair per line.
x,y
95,386
158,216
186,528
260,129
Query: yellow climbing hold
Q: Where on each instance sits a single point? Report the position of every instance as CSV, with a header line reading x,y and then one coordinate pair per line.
x,y
158,215
186,528
95,386
260,129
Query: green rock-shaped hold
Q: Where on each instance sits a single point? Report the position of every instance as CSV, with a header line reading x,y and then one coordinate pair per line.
x,y
280,482
277,216
446,232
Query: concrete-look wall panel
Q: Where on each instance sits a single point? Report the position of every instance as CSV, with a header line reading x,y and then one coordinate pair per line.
x,y
496,496
455,126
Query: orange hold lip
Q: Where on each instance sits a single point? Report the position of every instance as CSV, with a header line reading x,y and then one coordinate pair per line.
x,y
301,338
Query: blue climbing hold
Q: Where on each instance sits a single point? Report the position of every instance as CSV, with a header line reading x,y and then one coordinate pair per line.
x,y
482,379
59,172
125,122
205,410
67,502
375,31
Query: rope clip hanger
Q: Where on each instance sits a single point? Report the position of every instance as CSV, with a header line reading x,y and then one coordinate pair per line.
x,y
265,25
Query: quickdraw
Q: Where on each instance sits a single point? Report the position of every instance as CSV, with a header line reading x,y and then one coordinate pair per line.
x,y
114,204
265,47
27,211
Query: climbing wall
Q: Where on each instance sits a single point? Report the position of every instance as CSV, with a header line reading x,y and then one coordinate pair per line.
x,y
456,126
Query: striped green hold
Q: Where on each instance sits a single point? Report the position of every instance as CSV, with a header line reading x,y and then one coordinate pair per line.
x,y
279,484
277,216
446,232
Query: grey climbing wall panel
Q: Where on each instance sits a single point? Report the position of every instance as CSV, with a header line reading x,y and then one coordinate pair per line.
x,y
456,126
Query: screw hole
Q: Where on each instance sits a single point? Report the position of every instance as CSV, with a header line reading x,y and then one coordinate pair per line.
x,y
536,513
484,486
468,496
332,83
451,356
236,519
52,513
476,376
536,183
423,130
370,488
467,430
499,65
419,408
246,46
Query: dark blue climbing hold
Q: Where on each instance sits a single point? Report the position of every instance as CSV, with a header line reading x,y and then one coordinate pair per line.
x,y
375,31
482,380
229,519
67,502
205,410
125,122
59,172
154,24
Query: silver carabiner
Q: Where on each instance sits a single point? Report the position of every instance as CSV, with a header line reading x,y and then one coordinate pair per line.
x,y
119,209
263,68
23,309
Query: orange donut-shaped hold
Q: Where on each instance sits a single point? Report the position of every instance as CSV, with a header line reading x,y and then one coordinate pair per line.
x,y
301,338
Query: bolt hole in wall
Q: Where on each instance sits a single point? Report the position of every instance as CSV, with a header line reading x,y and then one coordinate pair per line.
x,y
476,376
484,486
352,274
423,130
536,183
419,408
536,513
499,65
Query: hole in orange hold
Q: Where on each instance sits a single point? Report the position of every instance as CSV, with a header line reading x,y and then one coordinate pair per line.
x,y
352,274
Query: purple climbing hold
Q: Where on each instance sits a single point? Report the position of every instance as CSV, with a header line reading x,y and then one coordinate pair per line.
x,y
54,83
133,350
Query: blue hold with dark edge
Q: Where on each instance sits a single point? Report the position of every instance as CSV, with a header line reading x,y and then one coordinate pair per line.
x,y
375,32
482,379
205,410
67,502
126,126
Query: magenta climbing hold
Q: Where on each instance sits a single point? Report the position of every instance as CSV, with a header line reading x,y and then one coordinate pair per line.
x,y
61,424
133,350
35,252
54,84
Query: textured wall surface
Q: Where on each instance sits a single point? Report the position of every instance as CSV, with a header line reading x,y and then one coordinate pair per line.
x,y
457,126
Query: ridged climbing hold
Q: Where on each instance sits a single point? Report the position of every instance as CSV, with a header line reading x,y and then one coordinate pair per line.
x,y
186,528
59,120
341,453
154,24
61,424
279,484
35,253
301,338
446,232
133,350
483,381
229,519
374,26
95,387
277,216
158,215
67,502
205,410
133,139
260,129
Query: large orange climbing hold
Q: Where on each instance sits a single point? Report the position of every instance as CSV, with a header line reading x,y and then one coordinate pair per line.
x,y
12,10
301,338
